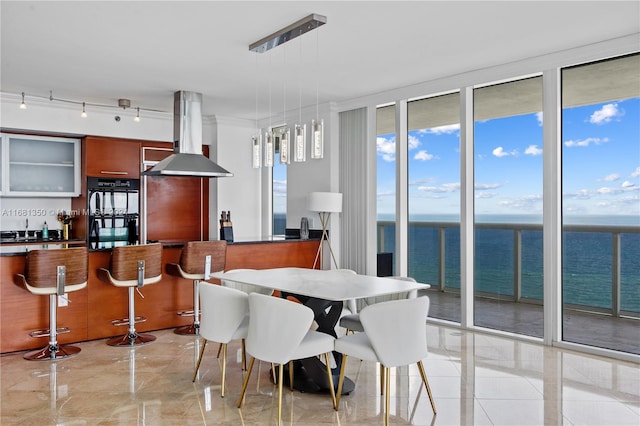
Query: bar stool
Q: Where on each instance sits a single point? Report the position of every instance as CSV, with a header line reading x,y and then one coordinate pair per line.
x,y
53,273
197,260
133,267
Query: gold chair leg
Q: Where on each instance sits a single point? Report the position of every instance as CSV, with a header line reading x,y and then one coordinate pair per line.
x,y
246,382
219,349
426,385
382,379
291,376
280,394
244,356
340,381
273,374
224,369
387,392
195,373
330,377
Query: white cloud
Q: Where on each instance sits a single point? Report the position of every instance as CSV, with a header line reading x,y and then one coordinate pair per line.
x,y
386,194
487,186
386,148
500,152
636,173
611,178
604,115
413,142
280,188
442,130
533,150
582,194
423,155
627,184
484,194
422,181
585,142
539,118
444,188
527,203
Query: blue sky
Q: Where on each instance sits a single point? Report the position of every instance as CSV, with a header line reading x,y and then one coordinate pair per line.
x,y
601,164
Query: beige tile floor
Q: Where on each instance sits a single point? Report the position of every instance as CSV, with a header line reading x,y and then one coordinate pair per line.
x,y
475,378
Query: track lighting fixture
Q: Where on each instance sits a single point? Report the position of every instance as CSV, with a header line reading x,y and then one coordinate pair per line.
x,y
122,103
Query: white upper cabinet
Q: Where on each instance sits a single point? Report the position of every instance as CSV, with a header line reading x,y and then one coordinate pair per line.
x,y
39,166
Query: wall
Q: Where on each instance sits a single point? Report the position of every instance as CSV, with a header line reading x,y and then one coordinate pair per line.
x,y
241,193
47,117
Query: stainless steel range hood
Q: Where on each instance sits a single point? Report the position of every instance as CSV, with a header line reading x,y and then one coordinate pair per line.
x,y
187,158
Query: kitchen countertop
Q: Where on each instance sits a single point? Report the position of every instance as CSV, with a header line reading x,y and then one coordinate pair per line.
x,y
22,249
20,246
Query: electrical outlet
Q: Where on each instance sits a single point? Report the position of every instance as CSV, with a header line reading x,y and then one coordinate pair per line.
x,y
63,300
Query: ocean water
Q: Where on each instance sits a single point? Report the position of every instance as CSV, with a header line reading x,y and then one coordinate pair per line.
x,y
586,264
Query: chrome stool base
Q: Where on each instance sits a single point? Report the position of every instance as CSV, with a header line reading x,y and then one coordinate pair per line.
x,y
49,353
191,329
128,340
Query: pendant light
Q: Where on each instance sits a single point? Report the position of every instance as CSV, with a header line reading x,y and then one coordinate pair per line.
x,y
300,129
285,132
256,139
268,135
299,136
317,125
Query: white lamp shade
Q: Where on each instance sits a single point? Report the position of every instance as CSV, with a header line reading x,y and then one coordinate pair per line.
x,y
325,202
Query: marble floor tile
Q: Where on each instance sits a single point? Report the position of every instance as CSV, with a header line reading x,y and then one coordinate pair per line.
x,y
476,379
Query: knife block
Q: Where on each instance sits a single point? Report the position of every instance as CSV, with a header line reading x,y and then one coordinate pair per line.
x,y
226,231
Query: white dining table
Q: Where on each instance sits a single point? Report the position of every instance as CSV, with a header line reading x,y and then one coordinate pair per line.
x,y
333,285
326,291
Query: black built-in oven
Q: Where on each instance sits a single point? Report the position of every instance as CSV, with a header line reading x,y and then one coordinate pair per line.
x,y
113,212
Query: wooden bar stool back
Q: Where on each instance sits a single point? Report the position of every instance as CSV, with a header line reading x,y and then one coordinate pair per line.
x,y
133,267
54,273
197,261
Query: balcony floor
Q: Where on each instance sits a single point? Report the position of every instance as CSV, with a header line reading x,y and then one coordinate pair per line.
x,y
620,334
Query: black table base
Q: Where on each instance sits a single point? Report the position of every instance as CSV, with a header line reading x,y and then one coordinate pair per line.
x,y
310,374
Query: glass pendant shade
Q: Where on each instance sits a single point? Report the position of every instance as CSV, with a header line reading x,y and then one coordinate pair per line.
x,y
317,138
268,149
256,146
285,146
300,143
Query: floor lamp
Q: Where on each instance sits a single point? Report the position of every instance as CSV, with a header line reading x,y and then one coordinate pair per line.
x,y
325,203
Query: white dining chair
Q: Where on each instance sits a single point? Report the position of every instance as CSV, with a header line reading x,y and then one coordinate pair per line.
x,y
247,288
224,317
279,332
399,342
351,322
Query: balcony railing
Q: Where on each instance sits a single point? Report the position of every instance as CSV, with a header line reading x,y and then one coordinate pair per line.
x,y
580,302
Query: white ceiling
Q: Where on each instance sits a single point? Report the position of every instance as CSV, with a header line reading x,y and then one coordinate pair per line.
x,y
100,51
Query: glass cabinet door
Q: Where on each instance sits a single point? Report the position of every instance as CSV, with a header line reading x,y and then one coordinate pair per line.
x,y
41,166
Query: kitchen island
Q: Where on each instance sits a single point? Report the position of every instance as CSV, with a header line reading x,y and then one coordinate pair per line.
x,y
91,309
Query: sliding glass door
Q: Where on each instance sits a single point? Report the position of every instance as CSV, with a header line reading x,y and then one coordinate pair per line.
x,y
601,204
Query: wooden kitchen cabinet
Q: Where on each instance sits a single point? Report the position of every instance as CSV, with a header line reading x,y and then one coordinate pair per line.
x,y
112,157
